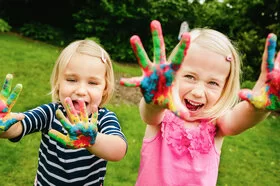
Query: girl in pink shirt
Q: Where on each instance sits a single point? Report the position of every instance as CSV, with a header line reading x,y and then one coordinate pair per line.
x,y
188,118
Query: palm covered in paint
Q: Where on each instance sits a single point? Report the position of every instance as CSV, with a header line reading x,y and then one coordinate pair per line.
x,y
7,100
266,93
81,132
156,82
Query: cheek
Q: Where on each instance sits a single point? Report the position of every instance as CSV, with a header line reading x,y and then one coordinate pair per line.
x,y
184,88
63,91
214,96
97,94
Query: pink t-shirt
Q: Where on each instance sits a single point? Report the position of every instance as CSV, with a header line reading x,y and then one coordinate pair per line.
x,y
179,156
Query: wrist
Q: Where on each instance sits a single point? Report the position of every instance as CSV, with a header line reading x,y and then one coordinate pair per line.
x,y
13,132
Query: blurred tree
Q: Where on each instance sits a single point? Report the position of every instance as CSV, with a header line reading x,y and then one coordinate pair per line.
x,y
113,22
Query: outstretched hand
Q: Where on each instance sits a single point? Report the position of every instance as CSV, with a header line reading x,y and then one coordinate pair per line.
x,y
266,93
7,101
81,132
156,82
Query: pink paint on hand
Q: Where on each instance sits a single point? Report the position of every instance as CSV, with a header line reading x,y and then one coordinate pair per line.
x,y
3,109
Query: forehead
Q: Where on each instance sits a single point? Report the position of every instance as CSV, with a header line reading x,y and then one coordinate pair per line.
x,y
85,64
204,61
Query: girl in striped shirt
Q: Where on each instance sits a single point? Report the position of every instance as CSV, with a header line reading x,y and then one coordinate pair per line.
x,y
79,135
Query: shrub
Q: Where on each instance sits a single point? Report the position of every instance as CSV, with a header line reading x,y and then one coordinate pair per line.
x,y
95,39
4,26
42,32
248,84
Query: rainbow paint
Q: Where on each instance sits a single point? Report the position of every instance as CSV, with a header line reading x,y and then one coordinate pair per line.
x,y
157,79
269,96
7,100
81,132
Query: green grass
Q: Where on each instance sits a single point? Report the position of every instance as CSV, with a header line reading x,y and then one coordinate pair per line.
x,y
251,158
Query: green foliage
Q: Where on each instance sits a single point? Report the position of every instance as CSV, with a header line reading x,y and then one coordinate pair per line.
x,y
247,23
251,47
84,23
248,84
95,39
42,32
274,28
4,26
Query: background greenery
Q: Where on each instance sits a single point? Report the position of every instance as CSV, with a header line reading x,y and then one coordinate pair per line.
x,y
251,158
246,22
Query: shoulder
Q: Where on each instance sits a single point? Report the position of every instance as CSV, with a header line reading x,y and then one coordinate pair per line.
x,y
107,117
52,106
105,113
46,108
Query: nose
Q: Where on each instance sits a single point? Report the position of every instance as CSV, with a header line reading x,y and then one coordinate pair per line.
x,y
198,90
81,89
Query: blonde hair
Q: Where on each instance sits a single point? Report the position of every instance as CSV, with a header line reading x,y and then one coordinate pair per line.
x,y
217,42
85,47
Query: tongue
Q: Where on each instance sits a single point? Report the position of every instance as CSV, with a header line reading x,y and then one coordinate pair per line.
x,y
76,106
191,107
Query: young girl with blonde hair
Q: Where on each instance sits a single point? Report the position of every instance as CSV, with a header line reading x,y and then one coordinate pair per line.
x,y
79,135
191,103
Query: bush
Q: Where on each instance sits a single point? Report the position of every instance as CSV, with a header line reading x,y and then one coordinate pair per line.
x,y
42,32
95,39
4,26
248,84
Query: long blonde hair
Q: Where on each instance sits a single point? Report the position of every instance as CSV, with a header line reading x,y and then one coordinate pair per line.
x,y
85,47
217,42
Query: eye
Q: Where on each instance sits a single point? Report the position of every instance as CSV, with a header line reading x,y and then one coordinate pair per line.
x,y
214,83
188,76
71,80
93,83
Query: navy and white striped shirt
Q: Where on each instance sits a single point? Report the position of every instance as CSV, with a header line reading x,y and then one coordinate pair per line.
x,y
58,165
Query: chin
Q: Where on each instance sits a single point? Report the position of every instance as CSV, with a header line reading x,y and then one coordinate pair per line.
x,y
195,115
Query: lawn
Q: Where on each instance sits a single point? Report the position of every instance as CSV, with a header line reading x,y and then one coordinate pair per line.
x,y
251,158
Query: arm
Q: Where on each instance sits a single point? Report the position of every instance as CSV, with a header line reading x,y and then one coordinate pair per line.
x,y
110,143
264,97
108,147
242,117
157,81
150,113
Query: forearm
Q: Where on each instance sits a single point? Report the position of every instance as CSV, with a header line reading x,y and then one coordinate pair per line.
x,y
13,132
151,114
108,147
243,116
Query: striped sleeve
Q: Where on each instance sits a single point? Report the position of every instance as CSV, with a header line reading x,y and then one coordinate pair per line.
x,y
37,119
109,123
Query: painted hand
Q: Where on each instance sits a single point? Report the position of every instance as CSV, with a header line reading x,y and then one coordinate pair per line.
x,y
266,93
81,132
157,80
7,101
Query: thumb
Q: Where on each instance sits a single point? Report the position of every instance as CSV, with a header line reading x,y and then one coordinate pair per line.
x,y
245,94
176,106
259,100
131,82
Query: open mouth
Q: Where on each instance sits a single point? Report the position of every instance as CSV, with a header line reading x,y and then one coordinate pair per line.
x,y
192,106
78,107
